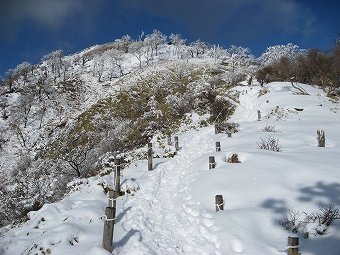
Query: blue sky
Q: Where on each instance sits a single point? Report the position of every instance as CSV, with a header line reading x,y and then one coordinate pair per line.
x,y
30,29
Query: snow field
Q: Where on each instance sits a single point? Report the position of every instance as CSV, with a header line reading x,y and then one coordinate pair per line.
x,y
171,209
258,191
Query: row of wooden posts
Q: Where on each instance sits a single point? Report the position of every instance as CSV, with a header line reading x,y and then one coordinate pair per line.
x,y
110,210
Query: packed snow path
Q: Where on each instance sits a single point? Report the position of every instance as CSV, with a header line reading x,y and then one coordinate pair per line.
x,y
249,104
161,217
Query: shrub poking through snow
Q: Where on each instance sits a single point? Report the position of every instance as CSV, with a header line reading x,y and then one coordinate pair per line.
x,y
226,127
313,223
321,138
233,158
271,144
269,128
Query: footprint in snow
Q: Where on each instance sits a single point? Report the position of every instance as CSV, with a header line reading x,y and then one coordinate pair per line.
x,y
236,245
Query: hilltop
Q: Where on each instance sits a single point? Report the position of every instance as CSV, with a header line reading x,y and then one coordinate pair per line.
x,y
65,119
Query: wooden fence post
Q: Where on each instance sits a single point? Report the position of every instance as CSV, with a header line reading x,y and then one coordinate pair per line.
x,y
150,167
219,203
258,115
218,146
169,140
112,199
216,131
211,162
109,221
229,134
321,138
293,245
117,176
176,143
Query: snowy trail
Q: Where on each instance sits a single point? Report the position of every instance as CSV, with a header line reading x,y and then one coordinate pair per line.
x,y
156,208
249,104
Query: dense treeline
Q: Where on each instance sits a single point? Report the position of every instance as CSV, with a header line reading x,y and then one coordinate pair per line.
x,y
312,66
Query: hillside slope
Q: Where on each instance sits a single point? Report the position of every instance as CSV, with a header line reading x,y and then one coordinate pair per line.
x,y
171,209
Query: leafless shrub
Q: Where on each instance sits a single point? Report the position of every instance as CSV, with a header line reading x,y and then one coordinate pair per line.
x,y
226,127
271,144
269,128
291,221
327,215
321,138
312,223
233,159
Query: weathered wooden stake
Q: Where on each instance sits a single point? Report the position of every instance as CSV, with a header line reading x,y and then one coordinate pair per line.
x,y
321,138
211,162
258,115
293,246
229,134
150,167
176,143
219,203
216,131
169,140
109,222
117,176
112,199
218,146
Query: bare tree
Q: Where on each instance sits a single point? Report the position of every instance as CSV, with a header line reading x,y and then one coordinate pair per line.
x,y
197,48
124,43
137,49
99,63
116,59
177,41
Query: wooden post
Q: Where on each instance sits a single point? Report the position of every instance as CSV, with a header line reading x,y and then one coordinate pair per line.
x,y
216,131
211,162
219,203
293,245
176,143
169,140
321,138
117,176
218,146
109,222
229,134
150,167
258,115
112,199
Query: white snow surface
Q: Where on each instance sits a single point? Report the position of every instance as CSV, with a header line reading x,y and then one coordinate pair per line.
x,y
171,210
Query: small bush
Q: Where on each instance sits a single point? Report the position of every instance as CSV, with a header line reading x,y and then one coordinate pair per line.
x,y
233,159
226,127
269,128
271,144
313,223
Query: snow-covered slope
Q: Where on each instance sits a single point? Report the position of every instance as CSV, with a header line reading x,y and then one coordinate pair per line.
x,y
172,208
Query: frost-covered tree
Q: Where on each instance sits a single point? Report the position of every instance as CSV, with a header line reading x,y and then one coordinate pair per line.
x,y
54,60
274,53
98,66
177,41
217,52
239,57
138,50
65,70
23,70
197,48
156,39
124,43
9,80
115,58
